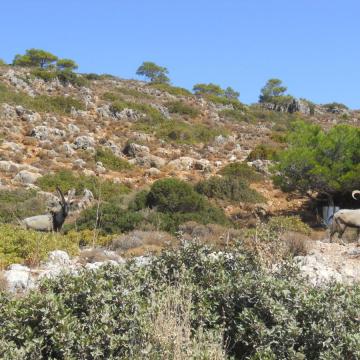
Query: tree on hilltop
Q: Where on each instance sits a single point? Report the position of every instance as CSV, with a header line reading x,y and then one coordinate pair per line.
x,y
36,58
231,94
154,72
66,64
208,89
272,89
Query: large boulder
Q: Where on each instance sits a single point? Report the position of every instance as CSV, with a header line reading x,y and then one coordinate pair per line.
x,y
26,177
46,133
134,150
84,142
18,278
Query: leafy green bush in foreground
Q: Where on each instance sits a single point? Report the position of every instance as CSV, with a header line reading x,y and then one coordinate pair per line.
x,y
122,312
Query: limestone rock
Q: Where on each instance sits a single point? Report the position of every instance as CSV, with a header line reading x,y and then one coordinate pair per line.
x,y
26,177
84,142
18,278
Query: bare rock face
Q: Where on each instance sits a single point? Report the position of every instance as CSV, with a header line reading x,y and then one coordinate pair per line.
x,y
47,133
134,150
185,163
26,177
8,112
295,105
18,83
262,166
84,142
129,115
18,278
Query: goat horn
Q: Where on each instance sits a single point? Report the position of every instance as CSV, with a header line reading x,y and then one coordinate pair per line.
x,y
354,193
61,195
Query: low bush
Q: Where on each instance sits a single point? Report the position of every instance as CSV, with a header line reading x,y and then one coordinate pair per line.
x,y
187,303
272,241
181,108
170,130
111,161
241,170
264,152
18,205
335,106
64,76
66,180
41,103
181,132
109,218
236,115
173,90
173,195
229,188
138,238
18,245
222,100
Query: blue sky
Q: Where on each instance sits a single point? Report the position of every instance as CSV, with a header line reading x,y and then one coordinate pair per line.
x,y
312,45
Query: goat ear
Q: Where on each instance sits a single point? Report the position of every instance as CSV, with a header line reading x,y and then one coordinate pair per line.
x,y
61,196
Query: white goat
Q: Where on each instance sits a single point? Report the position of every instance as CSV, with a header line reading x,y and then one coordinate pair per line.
x,y
345,218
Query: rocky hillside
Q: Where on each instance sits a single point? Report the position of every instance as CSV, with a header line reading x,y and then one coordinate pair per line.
x,y
152,131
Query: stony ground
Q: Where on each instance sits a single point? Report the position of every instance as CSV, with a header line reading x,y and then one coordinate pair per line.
x,y
36,142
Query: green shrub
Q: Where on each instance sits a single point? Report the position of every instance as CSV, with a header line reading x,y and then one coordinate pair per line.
x,y
18,205
173,195
281,224
334,105
221,100
18,245
229,188
241,171
173,90
109,218
42,103
66,180
181,108
236,115
113,312
2,62
139,201
65,76
264,152
111,161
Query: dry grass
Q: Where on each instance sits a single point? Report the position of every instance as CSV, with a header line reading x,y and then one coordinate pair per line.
x,y
141,240
171,334
297,244
94,255
211,233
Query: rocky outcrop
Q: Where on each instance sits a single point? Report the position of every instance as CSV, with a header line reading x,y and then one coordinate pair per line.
x,y
292,106
84,142
26,177
47,133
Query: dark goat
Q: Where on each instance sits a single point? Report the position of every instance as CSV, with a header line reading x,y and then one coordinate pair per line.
x,y
52,221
